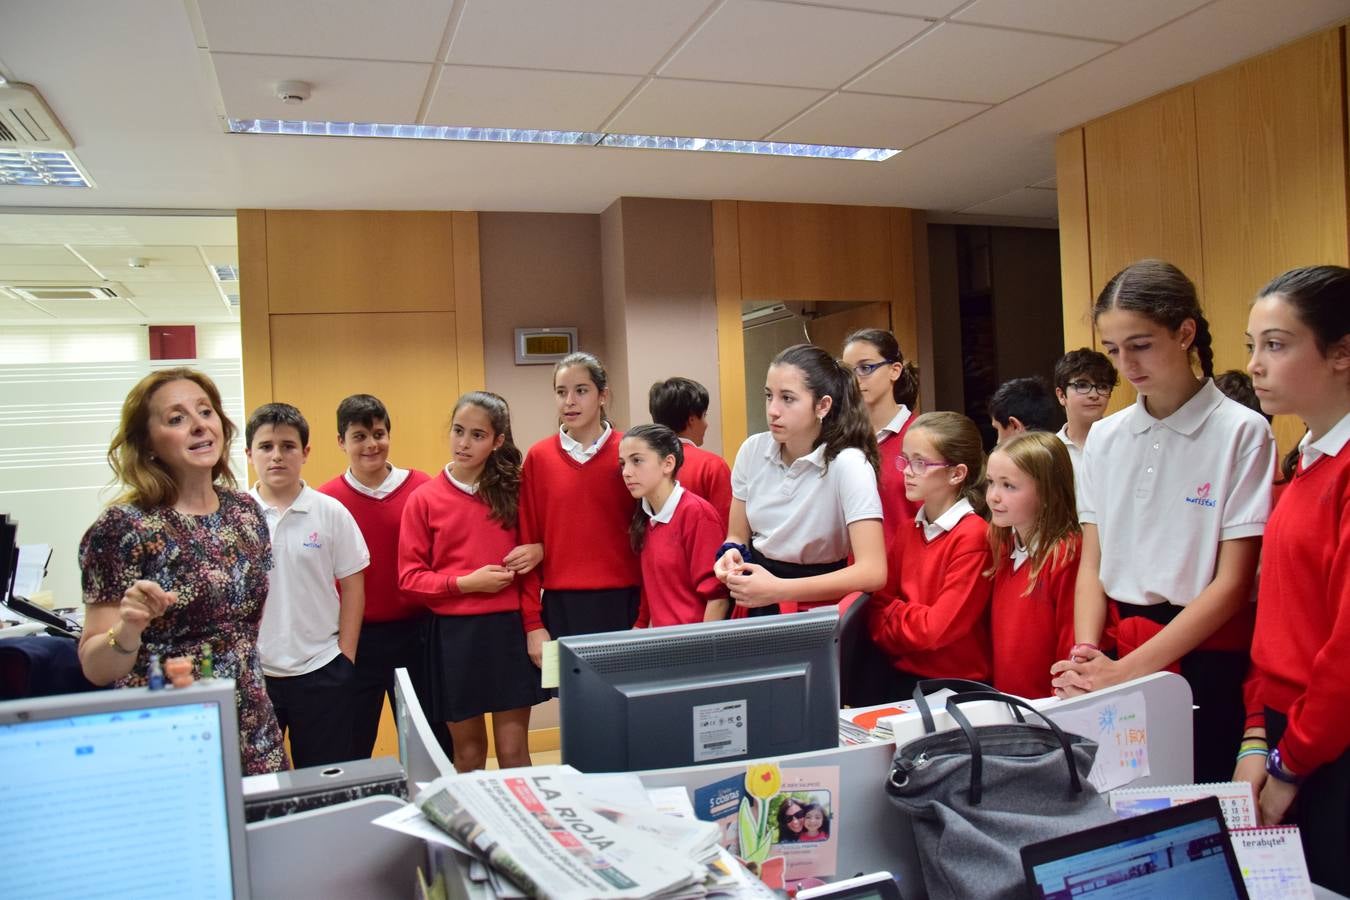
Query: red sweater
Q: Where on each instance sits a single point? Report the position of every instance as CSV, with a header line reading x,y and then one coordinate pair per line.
x,y
580,512
1303,615
448,533
1031,632
932,617
677,564
896,508
379,522
708,475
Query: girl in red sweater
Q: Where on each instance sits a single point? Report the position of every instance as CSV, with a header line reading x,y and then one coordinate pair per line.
x,y
933,616
676,532
890,390
574,502
458,531
1298,689
1034,537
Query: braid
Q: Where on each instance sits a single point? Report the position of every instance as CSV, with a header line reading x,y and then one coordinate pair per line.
x,y
1204,345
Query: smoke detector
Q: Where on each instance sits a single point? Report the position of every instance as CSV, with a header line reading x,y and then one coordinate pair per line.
x,y
293,91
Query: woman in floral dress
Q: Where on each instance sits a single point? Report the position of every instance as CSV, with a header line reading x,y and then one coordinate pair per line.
x,y
181,558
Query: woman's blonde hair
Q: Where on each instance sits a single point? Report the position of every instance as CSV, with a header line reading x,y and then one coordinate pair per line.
x,y
958,441
1045,459
147,483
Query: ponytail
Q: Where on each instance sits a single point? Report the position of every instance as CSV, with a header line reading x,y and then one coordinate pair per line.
x,y
663,442
904,389
499,484
846,424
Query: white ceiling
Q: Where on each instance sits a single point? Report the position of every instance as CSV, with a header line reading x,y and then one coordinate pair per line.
x,y
174,283
974,91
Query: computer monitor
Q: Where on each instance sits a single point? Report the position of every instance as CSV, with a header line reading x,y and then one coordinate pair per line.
x,y
123,793
418,750
685,695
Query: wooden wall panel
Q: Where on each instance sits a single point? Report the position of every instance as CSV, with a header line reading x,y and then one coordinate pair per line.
x,y
468,297
326,261
1271,142
831,328
904,281
730,343
405,359
800,251
254,330
1075,258
1143,193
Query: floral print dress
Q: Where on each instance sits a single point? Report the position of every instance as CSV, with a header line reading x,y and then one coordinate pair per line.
x,y
218,564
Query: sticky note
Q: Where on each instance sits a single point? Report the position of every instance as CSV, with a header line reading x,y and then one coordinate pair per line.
x,y
548,669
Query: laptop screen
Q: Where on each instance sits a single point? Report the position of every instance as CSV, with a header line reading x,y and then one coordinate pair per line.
x,y
129,802
1180,852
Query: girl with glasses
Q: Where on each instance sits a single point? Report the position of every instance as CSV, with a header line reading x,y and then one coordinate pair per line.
x,y
1175,495
932,617
890,390
804,493
1299,689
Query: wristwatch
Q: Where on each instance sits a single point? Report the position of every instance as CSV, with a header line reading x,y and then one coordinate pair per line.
x,y
1275,769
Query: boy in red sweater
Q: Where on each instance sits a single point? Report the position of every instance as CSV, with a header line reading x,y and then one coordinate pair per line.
x,y
681,404
375,491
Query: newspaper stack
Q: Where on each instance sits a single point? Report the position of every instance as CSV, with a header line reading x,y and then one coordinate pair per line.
x,y
541,838
872,724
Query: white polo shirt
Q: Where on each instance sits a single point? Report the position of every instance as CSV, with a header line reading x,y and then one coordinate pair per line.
x,y
575,449
1164,493
801,513
945,522
391,482
1329,444
1075,455
314,543
895,424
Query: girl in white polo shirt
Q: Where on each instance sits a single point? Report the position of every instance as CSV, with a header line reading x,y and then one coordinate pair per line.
x,y
804,493
1173,502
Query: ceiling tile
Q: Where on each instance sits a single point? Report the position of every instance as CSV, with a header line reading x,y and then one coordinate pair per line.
x,y
17,309
153,254
17,272
410,30
867,120
986,65
37,255
89,309
525,98
711,109
167,292
1028,202
618,36
928,8
221,256
1050,183
161,275
777,43
343,90
1111,20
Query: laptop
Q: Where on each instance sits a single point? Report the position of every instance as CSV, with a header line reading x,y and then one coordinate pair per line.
x,y
1183,851
123,793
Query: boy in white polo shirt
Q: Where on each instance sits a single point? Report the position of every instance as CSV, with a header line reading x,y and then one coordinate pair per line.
x,y
310,627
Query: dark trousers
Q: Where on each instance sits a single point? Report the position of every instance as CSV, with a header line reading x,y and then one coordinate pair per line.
x,y
384,647
782,569
1321,811
316,709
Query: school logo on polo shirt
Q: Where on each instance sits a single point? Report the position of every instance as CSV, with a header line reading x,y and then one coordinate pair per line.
x,y
312,542
1201,497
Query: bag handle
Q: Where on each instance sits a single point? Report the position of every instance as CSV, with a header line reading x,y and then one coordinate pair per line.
x,y
931,685
977,756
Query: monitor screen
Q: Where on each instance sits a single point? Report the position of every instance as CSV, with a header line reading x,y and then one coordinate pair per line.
x,y
1183,851
711,692
120,793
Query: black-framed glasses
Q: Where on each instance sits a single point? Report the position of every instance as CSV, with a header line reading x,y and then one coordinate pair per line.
x,y
797,815
862,370
1088,387
919,465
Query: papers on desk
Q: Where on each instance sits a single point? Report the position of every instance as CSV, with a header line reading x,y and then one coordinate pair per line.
x,y
552,832
32,568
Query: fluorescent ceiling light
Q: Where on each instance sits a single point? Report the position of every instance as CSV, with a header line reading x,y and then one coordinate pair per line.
x,y
41,168
531,136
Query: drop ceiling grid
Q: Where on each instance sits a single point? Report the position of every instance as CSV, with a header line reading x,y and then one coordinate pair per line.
x,y
1112,20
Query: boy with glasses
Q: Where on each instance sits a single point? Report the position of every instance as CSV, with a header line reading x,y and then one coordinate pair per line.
x,y
1084,380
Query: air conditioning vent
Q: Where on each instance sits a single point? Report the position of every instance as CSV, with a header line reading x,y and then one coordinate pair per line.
x,y
47,291
27,122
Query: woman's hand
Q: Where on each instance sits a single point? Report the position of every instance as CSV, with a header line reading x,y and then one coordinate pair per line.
x,y
487,580
524,558
1089,670
534,645
142,603
753,585
728,564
